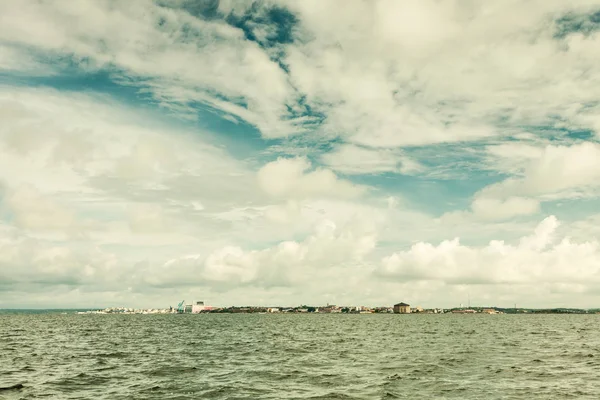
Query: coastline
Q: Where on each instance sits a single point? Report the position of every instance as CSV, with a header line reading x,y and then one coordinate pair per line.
x,y
307,310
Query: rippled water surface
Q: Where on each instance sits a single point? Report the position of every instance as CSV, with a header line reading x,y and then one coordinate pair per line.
x,y
249,356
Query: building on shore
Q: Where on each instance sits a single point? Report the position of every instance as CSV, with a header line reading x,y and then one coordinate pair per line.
x,y
198,307
464,311
401,308
329,309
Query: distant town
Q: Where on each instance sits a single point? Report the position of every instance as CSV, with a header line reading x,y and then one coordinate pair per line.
x,y
199,307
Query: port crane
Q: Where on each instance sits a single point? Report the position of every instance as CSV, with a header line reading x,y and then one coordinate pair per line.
x,y
181,307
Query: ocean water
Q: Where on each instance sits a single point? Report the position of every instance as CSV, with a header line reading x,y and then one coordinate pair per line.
x,y
250,356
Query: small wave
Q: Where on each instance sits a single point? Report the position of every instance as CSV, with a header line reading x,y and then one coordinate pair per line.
x,y
171,370
334,395
17,386
116,354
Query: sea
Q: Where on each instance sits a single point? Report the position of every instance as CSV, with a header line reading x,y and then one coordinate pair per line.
x,y
299,356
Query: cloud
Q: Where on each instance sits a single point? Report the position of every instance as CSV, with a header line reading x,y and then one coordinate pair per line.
x,y
376,82
292,177
539,174
164,47
147,218
92,167
290,263
17,61
88,145
536,259
141,193
447,73
293,218
25,262
31,210
488,108
493,209
555,172
351,159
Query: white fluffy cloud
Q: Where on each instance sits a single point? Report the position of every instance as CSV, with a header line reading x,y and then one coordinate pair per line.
x,y
553,172
351,159
25,261
396,74
493,209
536,259
166,47
85,167
384,74
539,173
31,210
326,252
292,177
85,145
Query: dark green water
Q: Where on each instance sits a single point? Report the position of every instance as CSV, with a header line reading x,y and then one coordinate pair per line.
x,y
219,356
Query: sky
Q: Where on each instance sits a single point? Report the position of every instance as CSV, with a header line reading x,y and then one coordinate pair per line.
x,y
307,152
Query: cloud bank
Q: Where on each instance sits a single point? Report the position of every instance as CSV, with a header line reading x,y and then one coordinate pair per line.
x,y
274,152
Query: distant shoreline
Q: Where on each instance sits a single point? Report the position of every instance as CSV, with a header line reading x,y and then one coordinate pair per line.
x,y
296,310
